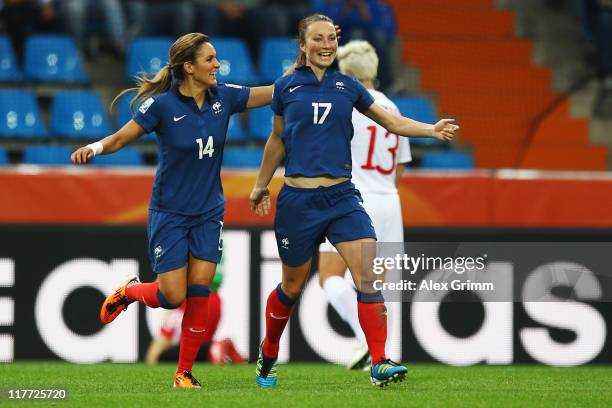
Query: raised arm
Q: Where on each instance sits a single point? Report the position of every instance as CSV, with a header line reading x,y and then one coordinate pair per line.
x,y
110,144
444,130
274,153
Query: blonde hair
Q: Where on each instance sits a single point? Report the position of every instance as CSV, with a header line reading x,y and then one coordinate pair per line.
x,y
303,27
183,50
360,58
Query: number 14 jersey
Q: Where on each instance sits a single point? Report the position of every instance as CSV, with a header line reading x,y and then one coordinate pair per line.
x,y
376,152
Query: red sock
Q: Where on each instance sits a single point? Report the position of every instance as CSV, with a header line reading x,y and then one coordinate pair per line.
x,y
278,311
193,327
145,293
214,315
373,321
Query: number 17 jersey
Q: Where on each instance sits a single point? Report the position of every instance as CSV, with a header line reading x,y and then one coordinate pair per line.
x,y
376,152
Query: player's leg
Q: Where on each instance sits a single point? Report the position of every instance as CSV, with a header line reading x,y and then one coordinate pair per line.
x,y
342,296
205,246
279,307
371,310
195,320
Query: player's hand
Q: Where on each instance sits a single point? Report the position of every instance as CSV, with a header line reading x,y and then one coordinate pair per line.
x,y
338,31
82,155
445,129
260,201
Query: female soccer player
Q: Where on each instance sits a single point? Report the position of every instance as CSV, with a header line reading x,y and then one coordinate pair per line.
x,y
190,117
312,132
378,158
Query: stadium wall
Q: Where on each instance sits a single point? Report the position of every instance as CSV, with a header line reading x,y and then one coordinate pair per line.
x,y
52,280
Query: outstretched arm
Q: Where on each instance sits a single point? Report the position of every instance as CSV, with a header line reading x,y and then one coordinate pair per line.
x,y
110,144
274,153
444,130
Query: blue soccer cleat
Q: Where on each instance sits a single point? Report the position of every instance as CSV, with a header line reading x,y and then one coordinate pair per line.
x,y
387,371
265,370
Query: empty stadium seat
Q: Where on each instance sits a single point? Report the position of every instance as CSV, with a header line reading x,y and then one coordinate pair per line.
x,y
128,156
78,114
47,155
260,122
124,114
447,160
4,159
9,72
421,109
53,58
241,157
19,115
235,60
277,54
147,54
235,131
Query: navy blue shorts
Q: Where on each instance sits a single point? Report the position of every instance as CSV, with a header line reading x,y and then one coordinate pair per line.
x,y
305,216
172,237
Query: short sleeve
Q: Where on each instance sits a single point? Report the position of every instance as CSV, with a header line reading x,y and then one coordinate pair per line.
x,y
148,115
237,96
277,103
364,98
404,154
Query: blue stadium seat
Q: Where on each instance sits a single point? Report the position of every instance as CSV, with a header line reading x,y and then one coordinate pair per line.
x,y
45,154
19,115
447,160
53,58
260,122
79,114
4,159
235,131
128,156
242,157
235,60
277,54
124,114
9,72
147,54
421,109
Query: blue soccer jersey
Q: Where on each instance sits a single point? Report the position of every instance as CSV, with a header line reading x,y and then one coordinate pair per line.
x,y
318,127
190,146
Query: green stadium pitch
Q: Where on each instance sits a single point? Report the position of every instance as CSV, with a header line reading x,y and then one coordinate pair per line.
x,y
315,385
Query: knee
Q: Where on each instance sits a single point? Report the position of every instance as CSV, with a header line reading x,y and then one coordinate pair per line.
x,y
293,288
174,298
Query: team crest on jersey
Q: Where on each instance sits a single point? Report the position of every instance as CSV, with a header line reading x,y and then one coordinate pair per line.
x,y
145,106
285,243
217,108
158,251
340,85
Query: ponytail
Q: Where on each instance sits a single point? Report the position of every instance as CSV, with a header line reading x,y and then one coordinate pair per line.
x,y
145,87
183,50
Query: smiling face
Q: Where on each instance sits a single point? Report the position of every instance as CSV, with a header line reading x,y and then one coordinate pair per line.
x,y
320,44
205,66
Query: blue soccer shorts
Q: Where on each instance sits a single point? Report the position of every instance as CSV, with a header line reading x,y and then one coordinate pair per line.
x,y
305,216
172,237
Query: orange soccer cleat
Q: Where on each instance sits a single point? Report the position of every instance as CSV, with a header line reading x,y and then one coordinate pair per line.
x,y
186,380
117,302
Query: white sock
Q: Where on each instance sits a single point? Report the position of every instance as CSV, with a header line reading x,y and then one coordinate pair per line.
x,y
343,298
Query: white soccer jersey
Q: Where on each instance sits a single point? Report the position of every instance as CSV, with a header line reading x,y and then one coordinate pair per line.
x,y
376,152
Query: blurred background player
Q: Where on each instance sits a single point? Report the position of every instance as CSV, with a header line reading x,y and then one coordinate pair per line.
x,y
216,351
377,164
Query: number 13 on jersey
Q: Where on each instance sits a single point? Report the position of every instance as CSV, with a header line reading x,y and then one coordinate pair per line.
x,y
208,149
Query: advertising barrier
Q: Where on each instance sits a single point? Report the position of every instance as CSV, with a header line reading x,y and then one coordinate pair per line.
x,y
53,279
